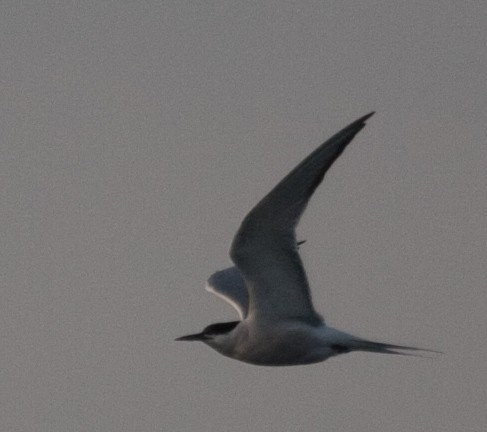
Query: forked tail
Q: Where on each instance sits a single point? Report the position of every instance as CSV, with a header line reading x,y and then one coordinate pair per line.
x,y
383,348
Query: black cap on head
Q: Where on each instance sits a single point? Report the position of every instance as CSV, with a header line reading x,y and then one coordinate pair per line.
x,y
211,330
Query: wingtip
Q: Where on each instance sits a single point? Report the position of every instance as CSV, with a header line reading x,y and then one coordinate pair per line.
x,y
366,117
359,123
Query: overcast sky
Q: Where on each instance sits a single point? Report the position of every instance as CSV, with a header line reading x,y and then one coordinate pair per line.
x,y
135,136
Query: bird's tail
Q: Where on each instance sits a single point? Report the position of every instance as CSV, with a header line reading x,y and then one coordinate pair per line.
x,y
383,348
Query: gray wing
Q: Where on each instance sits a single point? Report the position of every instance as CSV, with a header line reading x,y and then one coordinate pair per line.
x,y
264,248
229,285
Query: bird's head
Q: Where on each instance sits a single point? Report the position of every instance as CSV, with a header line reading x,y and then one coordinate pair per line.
x,y
213,335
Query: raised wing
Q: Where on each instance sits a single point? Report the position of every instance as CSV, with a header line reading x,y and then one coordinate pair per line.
x,y
264,248
229,285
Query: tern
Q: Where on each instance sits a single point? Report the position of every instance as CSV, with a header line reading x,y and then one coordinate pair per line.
x,y
268,285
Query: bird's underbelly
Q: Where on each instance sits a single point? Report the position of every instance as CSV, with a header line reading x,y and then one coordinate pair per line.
x,y
283,348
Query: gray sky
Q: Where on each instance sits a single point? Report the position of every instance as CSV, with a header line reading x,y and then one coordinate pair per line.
x,y
136,136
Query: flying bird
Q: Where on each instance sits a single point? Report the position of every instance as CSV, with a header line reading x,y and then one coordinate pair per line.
x,y
268,286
